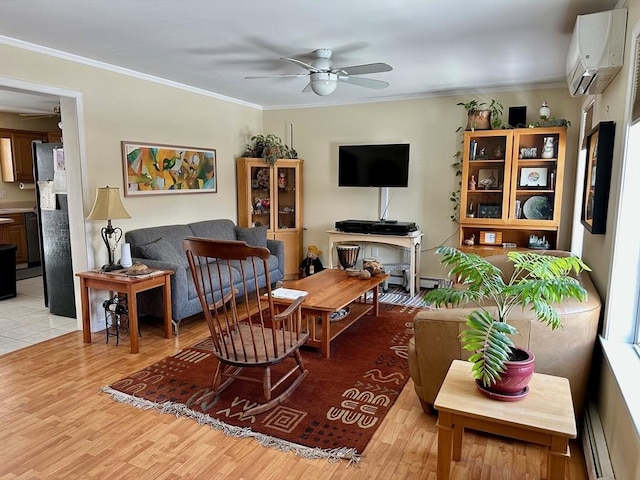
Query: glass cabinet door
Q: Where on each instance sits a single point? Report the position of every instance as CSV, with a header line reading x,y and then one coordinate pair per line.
x,y
485,169
261,195
285,185
536,190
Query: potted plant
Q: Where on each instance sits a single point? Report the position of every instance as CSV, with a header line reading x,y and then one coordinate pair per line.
x,y
270,148
481,116
538,282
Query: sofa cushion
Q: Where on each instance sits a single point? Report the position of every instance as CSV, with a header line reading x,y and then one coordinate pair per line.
x,y
174,234
254,236
161,249
220,229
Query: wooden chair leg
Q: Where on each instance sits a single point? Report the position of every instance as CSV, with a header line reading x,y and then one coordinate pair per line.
x,y
218,384
266,383
217,376
277,400
298,358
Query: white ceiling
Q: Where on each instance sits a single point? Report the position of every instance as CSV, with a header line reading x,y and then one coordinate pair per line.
x,y
435,47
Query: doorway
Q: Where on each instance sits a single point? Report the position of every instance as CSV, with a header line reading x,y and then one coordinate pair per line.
x,y
73,132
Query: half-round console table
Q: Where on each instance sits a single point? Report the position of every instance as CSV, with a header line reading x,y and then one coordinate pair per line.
x,y
411,241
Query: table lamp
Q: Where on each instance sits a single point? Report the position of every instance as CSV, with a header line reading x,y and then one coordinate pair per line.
x,y
108,206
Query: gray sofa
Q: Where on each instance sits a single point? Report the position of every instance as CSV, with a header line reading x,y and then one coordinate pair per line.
x,y
161,247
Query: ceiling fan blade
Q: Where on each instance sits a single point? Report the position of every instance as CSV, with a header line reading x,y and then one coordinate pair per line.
x,y
307,88
311,68
366,68
364,82
291,75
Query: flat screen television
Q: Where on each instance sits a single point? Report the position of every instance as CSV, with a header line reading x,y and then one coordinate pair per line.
x,y
373,165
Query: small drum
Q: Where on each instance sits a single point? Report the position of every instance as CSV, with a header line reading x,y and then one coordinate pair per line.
x,y
348,255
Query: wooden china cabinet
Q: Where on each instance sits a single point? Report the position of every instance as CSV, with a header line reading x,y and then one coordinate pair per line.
x,y
272,195
511,191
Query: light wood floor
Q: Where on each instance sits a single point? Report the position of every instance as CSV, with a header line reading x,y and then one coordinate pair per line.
x,y
56,424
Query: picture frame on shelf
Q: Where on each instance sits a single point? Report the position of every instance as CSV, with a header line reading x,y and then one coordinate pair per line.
x,y
488,178
489,210
151,169
534,176
490,238
597,177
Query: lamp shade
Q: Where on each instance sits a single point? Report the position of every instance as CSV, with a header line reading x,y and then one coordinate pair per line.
x,y
108,205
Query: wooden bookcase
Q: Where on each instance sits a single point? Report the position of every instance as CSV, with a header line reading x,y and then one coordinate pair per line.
x,y
272,196
511,189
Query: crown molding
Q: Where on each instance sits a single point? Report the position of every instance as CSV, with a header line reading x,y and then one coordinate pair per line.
x,y
32,47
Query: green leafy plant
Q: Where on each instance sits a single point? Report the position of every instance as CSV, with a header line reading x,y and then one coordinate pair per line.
x,y
269,147
497,110
454,196
474,106
538,282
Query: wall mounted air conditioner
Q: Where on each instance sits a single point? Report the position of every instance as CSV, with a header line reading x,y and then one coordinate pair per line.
x,y
596,51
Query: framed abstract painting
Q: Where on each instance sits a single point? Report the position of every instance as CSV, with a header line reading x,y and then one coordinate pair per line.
x,y
168,169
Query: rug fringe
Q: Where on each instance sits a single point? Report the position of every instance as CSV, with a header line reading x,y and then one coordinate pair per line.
x,y
181,410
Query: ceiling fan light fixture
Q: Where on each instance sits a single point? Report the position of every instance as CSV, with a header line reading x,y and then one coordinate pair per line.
x,y
324,83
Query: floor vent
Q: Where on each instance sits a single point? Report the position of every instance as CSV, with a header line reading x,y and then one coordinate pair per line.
x,y
594,445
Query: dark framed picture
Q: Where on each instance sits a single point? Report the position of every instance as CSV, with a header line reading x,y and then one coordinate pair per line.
x,y
489,210
597,178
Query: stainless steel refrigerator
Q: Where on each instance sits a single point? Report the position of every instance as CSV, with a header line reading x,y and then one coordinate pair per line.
x,y
55,238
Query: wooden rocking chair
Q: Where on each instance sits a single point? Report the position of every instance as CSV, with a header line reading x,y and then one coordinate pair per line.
x,y
244,328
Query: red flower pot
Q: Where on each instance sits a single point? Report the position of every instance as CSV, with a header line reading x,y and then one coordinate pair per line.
x,y
518,374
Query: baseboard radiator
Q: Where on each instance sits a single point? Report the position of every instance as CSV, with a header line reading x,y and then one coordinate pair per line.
x,y
594,445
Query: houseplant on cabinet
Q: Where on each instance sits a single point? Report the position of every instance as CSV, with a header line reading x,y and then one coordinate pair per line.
x,y
270,148
481,116
538,282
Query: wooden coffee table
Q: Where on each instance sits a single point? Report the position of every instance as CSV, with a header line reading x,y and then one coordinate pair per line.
x,y
545,417
329,291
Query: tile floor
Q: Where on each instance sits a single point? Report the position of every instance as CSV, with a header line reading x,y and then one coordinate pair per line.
x,y
24,320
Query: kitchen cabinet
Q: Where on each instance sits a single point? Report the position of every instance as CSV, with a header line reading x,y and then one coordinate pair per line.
x,y
54,137
271,195
511,190
17,235
16,154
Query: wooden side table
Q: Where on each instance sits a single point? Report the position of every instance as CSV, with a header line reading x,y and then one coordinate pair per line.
x,y
120,282
545,417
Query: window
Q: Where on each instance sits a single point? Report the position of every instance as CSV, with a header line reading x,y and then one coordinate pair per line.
x,y
622,318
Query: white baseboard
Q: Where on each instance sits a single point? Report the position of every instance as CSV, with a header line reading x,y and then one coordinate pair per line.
x,y
594,446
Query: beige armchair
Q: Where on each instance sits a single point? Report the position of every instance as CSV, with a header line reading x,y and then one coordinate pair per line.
x,y
566,352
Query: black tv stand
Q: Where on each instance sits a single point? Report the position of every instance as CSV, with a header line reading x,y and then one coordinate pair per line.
x,y
382,220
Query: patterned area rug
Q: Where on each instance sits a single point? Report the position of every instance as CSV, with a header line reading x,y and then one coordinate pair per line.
x,y
332,414
399,296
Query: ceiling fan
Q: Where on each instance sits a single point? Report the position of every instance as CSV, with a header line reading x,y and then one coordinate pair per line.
x,y
36,116
324,76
